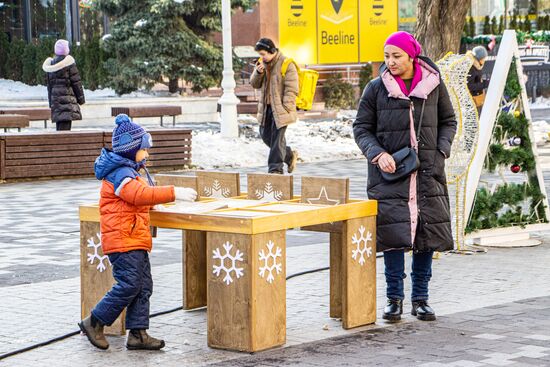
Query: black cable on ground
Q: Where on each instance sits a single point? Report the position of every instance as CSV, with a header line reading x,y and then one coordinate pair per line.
x,y
160,313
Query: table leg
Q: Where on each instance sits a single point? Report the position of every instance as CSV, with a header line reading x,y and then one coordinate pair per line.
x,y
194,269
96,277
359,272
45,124
246,291
336,275
161,123
174,120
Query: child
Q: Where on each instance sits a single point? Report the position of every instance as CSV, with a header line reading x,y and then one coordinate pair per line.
x,y
126,199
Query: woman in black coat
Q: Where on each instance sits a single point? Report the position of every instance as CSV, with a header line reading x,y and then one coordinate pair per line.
x,y
65,92
413,212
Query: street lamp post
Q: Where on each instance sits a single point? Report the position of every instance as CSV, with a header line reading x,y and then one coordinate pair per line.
x,y
228,101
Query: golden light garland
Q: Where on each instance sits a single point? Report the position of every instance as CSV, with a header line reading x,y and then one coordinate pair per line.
x,y
454,72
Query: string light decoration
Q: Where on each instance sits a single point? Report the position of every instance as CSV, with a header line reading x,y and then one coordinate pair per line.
x,y
454,72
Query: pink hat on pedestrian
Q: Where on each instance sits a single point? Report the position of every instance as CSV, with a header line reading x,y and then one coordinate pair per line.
x,y
406,42
62,48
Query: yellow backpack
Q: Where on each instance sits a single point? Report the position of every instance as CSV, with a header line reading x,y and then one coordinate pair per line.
x,y
308,83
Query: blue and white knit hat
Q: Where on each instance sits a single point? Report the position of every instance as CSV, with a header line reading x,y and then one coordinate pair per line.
x,y
129,137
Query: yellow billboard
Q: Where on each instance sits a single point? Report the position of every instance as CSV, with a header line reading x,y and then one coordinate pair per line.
x,y
336,31
378,20
298,29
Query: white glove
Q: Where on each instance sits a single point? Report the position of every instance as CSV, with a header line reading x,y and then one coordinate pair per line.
x,y
185,194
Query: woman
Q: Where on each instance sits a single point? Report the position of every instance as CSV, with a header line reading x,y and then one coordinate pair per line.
x,y
413,212
65,92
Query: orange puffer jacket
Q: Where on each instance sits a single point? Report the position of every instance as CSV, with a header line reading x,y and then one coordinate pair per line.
x,y
125,218
124,205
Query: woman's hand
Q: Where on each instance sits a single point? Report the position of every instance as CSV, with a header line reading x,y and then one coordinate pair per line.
x,y
386,163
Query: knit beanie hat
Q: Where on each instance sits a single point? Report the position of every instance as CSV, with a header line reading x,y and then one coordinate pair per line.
x,y
129,137
480,52
62,48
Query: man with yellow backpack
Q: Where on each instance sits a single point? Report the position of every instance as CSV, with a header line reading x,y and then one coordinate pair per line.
x,y
278,79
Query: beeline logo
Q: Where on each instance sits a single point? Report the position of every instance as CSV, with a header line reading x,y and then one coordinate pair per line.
x,y
297,7
378,7
337,5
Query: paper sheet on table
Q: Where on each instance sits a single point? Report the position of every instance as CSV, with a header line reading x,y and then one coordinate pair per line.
x,y
203,207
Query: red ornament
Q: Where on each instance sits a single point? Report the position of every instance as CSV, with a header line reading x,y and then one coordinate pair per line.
x,y
515,168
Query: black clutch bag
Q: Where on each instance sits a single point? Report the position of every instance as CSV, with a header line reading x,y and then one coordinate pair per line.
x,y
406,159
406,162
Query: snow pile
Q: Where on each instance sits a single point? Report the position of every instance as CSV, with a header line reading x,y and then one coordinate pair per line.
x,y
541,102
541,130
315,142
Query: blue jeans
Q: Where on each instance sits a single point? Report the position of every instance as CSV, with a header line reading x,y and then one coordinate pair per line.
x,y
421,274
133,288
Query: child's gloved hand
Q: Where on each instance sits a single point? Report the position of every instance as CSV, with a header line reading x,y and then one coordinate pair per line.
x,y
185,194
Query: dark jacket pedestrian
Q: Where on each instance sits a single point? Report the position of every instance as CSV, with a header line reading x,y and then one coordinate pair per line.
x,y
65,92
413,212
476,83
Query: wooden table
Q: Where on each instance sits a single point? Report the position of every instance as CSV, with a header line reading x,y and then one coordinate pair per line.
x,y
149,111
235,257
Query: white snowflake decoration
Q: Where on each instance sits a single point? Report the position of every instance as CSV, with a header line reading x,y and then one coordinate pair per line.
x,y
363,250
217,191
269,193
270,262
233,258
95,255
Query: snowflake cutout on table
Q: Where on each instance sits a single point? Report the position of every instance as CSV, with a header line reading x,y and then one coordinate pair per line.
x,y
362,249
95,255
233,259
269,193
270,264
217,191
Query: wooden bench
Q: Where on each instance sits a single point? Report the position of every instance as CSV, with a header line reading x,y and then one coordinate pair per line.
x,y
34,114
13,122
62,154
53,154
149,111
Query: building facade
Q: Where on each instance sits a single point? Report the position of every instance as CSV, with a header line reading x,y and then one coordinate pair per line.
x,y
73,20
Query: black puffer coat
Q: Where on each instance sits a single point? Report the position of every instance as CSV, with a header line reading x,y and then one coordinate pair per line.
x,y
413,212
65,92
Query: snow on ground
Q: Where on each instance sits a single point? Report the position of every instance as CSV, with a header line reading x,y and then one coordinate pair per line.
x,y
12,90
541,130
541,102
314,141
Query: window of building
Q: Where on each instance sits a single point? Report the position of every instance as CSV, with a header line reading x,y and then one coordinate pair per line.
x,y
47,18
11,18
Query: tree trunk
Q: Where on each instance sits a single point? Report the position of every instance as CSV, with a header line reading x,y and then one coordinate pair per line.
x,y
440,24
173,85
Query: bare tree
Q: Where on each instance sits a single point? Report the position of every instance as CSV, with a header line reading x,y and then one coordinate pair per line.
x,y
440,24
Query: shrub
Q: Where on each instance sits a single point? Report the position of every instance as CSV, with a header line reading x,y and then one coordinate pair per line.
x,y
339,94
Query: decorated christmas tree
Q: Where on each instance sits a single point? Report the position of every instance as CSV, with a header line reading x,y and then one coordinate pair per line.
x,y
157,40
517,200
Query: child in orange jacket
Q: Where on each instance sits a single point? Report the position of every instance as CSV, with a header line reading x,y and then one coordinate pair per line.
x,y
126,199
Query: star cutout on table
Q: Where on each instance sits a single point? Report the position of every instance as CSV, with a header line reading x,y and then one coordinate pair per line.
x,y
323,199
